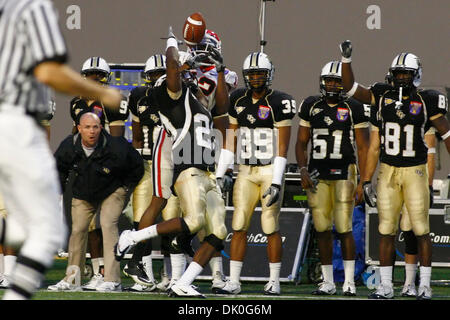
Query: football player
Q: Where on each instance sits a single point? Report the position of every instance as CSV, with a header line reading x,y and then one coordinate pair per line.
x,y
262,118
411,250
189,123
332,123
399,114
97,69
145,121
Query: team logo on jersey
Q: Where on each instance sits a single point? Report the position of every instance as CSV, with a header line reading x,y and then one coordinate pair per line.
x,y
239,109
400,114
328,120
98,111
154,118
415,107
106,170
342,114
263,112
251,118
388,101
316,111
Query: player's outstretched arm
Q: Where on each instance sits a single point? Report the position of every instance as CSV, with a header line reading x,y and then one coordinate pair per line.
x,y
172,71
352,88
65,80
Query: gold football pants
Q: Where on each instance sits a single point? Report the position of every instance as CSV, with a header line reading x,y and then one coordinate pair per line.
x,y
398,186
248,190
333,202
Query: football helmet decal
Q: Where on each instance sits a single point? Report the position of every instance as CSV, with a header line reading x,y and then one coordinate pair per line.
x,y
97,66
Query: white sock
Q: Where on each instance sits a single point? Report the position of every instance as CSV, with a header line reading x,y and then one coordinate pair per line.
x,y
216,265
425,276
190,274
327,272
10,262
167,267
410,273
2,264
95,265
235,270
274,268
144,234
148,266
386,275
349,270
178,262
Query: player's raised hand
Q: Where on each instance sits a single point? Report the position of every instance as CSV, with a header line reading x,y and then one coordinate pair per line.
x,y
216,58
346,49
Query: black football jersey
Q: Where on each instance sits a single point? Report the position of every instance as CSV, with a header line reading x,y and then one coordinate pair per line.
x,y
257,139
402,126
107,116
143,107
189,124
332,134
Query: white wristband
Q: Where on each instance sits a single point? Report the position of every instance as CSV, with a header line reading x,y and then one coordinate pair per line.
x,y
431,150
445,136
346,60
352,91
172,42
226,158
279,165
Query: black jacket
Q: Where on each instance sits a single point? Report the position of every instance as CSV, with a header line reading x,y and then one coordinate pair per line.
x,y
113,164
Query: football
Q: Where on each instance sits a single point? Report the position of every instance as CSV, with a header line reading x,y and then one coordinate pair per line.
x,y
194,29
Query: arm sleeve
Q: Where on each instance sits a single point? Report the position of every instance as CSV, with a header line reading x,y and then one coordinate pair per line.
x,y
44,36
359,118
435,102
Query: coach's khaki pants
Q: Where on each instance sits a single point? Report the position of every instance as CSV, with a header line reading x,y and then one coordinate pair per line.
x,y
82,214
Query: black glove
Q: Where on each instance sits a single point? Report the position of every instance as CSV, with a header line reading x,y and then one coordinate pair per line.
x,y
274,192
370,195
346,48
198,60
431,195
314,176
216,58
226,182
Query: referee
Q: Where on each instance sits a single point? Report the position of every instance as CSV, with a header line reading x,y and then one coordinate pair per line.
x,y
32,56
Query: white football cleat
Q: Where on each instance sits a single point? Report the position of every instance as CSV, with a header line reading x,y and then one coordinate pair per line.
x,y
109,286
124,244
96,280
409,290
384,291
139,288
218,281
325,289
349,289
272,288
424,293
230,288
63,286
164,284
4,283
182,291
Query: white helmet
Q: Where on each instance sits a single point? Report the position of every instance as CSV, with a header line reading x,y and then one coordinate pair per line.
x,y
406,62
97,65
258,61
332,69
156,63
210,40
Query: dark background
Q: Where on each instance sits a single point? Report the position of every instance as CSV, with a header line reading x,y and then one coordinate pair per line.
x,y
302,36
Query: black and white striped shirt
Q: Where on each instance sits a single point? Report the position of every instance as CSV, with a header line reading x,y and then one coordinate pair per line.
x,y
29,35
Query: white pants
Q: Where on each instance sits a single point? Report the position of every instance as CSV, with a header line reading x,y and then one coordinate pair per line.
x,y
30,189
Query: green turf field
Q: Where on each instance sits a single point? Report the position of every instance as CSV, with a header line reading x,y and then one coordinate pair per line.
x,y
250,290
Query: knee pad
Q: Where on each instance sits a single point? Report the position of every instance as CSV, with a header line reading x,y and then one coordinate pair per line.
x,y
410,242
215,242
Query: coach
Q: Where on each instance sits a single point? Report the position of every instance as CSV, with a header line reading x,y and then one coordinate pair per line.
x,y
105,170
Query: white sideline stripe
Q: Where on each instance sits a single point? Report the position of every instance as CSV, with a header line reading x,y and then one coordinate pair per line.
x,y
196,22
